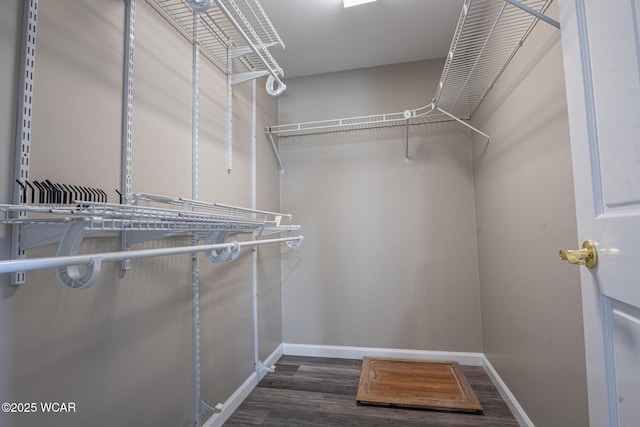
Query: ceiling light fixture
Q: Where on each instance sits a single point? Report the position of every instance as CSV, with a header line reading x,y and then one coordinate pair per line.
x,y
349,3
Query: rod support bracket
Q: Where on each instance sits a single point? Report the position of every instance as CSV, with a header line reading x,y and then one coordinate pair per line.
x,y
72,276
295,244
229,253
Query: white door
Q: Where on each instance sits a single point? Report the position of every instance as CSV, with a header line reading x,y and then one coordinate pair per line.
x,y
601,48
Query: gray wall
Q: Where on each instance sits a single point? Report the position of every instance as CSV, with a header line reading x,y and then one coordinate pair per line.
x,y
389,258
122,350
531,304
352,193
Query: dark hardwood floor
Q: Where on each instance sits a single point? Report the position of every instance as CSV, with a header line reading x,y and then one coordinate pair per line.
x,y
309,391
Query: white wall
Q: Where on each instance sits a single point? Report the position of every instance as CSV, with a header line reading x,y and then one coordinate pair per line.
x,y
122,350
531,304
389,258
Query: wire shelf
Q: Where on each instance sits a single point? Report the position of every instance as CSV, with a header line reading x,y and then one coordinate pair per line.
x,y
419,116
100,216
239,25
68,224
488,34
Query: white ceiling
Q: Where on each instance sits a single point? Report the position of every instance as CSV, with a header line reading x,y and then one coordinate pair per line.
x,y
322,36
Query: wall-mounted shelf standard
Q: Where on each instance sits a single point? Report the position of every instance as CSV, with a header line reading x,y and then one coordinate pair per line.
x,y
147,217
488,34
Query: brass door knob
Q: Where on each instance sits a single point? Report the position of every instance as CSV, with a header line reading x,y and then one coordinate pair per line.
x,y
586,256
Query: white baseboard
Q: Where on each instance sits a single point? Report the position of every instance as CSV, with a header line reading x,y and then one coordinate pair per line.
x,y
233,402
506,394
464,358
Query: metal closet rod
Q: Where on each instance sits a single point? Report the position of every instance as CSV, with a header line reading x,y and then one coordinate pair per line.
x,y
12,266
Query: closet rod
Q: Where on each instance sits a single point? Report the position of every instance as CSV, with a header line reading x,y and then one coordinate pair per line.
x,y
11,266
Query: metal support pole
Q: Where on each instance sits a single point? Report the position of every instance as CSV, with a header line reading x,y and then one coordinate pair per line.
x,y
406,148
229,111
127,119
195,260
23,125
254,202
534,12
260,368
254,148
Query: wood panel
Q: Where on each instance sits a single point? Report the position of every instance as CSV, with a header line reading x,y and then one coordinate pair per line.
x,y
309,391
416,384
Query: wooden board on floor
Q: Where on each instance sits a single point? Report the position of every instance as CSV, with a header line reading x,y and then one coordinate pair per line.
x,y
416,384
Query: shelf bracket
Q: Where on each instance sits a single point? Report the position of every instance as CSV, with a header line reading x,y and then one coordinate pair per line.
x,y
36,235
276,153
462,122
136,237
238,51
245,77
534,12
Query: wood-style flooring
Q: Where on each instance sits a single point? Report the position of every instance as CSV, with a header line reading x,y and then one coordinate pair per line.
x,y
309,391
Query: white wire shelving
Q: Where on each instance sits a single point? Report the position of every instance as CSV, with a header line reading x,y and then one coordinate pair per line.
x,y
147,217
423,115
233,34
488,34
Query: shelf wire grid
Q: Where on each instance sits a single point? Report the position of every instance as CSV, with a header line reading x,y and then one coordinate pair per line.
x,y
419,116
217,33
116,217
487,35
